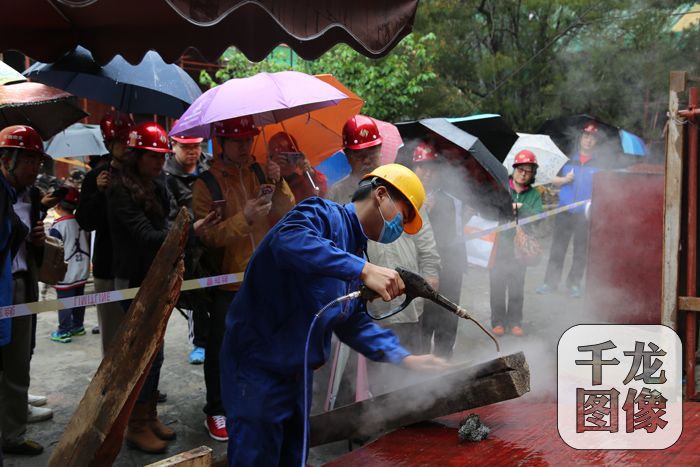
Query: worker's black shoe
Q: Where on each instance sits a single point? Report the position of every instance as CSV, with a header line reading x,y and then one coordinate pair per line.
x,y
26,447
162,397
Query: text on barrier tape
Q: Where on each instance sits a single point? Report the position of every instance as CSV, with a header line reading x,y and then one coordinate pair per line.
x,y
100,298
469,235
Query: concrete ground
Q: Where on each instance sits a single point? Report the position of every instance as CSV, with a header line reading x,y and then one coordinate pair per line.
x,y
63,371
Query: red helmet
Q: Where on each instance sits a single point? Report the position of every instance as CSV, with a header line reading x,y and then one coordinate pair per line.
x,y
525,157
71,197
22,137
237,128
116,125
360,132
590,127
185,139
425,152
282,142
149,136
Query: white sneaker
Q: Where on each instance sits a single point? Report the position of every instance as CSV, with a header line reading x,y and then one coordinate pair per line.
x,y
36,401
38,414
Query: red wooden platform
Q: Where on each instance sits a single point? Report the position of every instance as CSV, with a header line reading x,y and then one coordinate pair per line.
x,y
522,433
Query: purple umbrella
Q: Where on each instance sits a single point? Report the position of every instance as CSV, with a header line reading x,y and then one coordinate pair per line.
x,y
268,97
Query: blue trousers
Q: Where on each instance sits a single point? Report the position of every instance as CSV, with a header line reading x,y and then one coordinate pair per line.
x,y
70,318
264,411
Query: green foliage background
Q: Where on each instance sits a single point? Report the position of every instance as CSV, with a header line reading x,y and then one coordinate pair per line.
x,y
528,60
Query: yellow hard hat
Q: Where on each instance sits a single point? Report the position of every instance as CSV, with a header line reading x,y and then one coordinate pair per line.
x,y
403,179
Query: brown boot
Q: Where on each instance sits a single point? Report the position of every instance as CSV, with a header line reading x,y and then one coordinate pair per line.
x,y
139,434
157,427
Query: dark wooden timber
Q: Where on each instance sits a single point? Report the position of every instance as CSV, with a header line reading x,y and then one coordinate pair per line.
x,y
463,388
94,434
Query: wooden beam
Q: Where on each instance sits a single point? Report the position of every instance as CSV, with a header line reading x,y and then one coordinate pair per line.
x,y
464,388
94,434
672,203
198,457
689,304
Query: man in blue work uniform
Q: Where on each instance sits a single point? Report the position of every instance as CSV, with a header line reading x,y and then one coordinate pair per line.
x,y
311,257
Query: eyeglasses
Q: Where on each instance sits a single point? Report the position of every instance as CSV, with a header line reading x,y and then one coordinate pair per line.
x,y
523,170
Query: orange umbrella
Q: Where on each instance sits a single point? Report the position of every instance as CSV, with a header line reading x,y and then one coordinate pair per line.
x,y
318,133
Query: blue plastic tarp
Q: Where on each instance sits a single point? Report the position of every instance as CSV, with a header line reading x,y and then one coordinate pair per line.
x,y
335,167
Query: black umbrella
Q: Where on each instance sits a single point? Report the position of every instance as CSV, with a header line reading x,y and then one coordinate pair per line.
x,y
565,132
492,130
151,87
482,180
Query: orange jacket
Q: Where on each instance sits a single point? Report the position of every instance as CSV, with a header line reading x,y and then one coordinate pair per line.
x,y
233,234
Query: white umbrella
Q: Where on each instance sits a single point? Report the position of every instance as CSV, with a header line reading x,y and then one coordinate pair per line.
x,y
9,75
77,140
549,157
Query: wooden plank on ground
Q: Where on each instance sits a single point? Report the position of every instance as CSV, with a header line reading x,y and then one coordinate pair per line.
x,y
198,457
461,389
94,434
672,202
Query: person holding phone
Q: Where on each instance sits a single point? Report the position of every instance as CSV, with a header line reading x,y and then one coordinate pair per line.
x,y
91,215
138,207
304,180
182,168
254,197
21,157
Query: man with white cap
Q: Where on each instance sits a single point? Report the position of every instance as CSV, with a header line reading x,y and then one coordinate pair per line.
x,y
182,169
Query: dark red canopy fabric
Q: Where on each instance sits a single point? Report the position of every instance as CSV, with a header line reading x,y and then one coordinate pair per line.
x,y
46,29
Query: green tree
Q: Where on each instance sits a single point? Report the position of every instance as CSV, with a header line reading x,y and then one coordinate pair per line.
x,y
530,60
389,86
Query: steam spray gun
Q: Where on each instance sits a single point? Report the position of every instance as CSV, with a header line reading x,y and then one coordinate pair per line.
x,y
417,286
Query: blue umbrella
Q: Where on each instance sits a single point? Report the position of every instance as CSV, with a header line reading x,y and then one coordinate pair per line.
x,y
151,87
632,144
77,140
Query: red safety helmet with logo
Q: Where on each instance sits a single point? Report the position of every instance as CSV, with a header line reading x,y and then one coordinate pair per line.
x,y
425,152
149,136
22,137
525,157
185,139
360,132
590,127
237,128
116,125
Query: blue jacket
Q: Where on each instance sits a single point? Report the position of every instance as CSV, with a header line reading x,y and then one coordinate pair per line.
x,y
582,186
306,260
7,198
